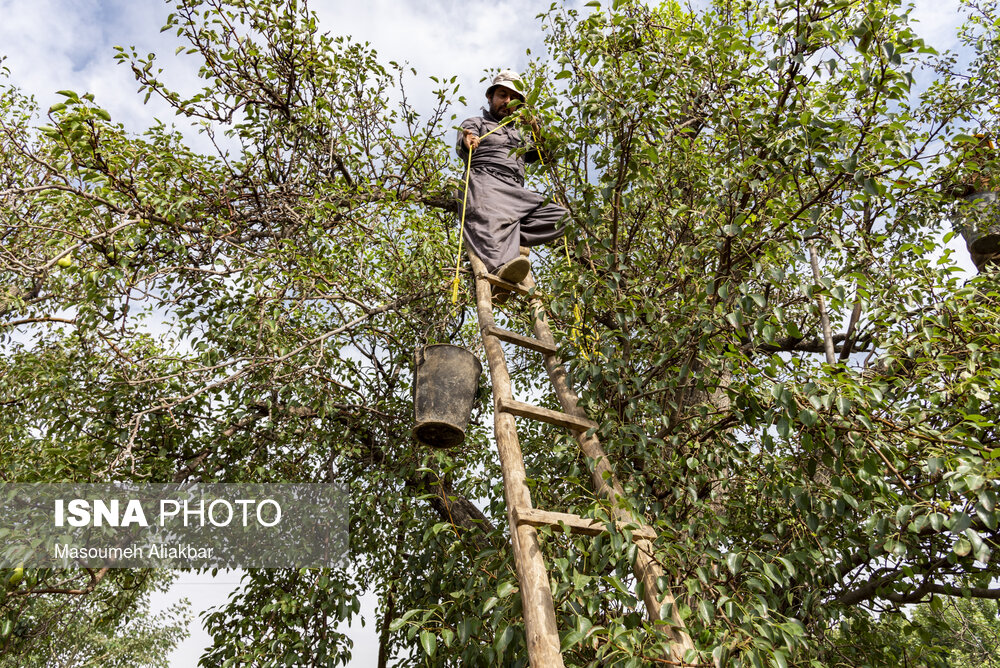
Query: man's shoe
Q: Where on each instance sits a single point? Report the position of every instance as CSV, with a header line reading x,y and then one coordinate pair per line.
x,y
515,270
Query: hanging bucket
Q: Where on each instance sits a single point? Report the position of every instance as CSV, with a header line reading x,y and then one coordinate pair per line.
x,y
444,390
978,221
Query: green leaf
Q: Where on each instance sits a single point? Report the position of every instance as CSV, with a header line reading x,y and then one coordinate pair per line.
x,y
503,640
428,641
734,561
962,547
706,610
505,589
959,522
619,585
464,630
572,638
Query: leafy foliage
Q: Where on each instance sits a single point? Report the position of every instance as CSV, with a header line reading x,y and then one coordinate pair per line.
x,y
113,626
797,386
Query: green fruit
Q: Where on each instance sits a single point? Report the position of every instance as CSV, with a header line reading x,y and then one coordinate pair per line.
x,y
17,576
65,261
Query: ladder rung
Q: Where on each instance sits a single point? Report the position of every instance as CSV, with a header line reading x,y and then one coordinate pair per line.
x,y
575,523
500,283
566,420
529,342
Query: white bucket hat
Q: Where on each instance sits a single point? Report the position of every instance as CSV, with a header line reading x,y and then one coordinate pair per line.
x,y
509,80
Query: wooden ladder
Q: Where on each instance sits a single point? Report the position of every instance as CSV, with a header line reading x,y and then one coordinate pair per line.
x,y
522,518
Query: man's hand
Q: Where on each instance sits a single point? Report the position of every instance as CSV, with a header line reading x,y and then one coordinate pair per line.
x,y
471,140
533,122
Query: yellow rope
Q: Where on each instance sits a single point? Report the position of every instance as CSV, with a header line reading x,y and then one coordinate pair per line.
x,y
465,198
545,173
576,332
461,231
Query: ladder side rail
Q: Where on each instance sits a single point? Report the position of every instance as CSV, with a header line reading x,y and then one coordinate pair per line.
x,y
647,570
540,627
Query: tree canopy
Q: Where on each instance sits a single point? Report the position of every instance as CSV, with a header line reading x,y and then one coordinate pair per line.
x,y
797,383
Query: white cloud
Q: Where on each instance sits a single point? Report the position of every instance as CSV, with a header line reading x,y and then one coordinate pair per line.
x,y
69,44
937,22
57,44
54,45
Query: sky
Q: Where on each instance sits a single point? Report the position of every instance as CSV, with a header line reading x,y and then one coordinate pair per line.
x,y
58,44
52,45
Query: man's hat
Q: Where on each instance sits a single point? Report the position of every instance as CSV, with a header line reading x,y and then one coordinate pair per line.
x,y
509,80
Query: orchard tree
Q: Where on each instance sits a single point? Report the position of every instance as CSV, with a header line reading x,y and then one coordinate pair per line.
x,y
946,632
112,626
797,383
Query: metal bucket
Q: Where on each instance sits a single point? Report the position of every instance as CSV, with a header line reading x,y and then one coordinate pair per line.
x,y
444,390
978,221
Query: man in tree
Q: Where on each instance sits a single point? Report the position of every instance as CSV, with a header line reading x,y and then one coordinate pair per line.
x,y
500,213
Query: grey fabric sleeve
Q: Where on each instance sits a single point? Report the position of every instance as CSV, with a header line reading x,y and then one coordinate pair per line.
x,y
474,124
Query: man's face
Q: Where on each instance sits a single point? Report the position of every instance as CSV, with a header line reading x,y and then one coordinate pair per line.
x,y
500,101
